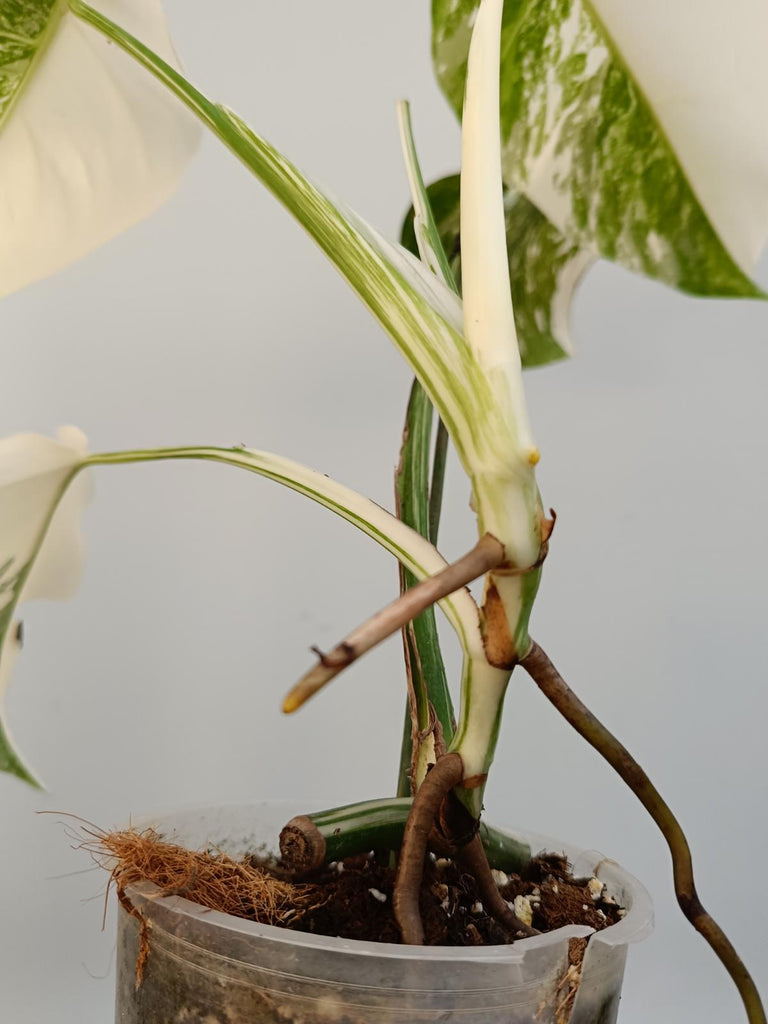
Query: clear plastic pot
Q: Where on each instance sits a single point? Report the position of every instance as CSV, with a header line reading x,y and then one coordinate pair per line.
x,y
209,968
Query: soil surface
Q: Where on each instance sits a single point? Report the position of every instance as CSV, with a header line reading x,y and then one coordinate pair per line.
x,y
352,898
357,902
159,981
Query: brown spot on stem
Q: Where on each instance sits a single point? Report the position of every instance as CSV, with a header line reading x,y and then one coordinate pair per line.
x,y
474,781
497,640
548,525
342,655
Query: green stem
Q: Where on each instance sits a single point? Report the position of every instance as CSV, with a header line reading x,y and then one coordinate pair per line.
x,y
419,501
438,479
426,673
379,825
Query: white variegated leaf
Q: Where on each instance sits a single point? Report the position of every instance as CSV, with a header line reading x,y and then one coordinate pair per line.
x,y
421,314
489,322
40,547
89,144
544,268
408,546
42,495
428,245
637,129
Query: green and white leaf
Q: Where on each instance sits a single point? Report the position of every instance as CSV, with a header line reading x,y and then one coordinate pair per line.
x,y
88,143
414,552
428,245
40,547
544,268
41,552
420,314
637,129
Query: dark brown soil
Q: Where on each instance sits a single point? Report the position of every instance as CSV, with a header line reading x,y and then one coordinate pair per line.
x,y
451,908
353,898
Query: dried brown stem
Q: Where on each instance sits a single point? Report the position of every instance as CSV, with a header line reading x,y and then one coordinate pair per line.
x,y
487,553
446,774
474,858
577,714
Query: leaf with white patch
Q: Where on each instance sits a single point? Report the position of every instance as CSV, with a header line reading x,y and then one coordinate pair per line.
x,y
544,268
637,130
41,503
421,315
413,551
89,145
40,548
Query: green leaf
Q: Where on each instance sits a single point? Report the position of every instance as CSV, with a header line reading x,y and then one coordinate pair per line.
x,y
88,143
605,128
544,268
420,314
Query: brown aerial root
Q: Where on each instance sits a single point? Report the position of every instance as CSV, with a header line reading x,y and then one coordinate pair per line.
x,y
578,715
447,773
433,821
208,878
302,846
475,860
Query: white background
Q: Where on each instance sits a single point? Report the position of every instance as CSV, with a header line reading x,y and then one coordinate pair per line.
x,y
218,322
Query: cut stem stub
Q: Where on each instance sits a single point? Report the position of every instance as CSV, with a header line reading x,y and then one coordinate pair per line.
x,y
487,554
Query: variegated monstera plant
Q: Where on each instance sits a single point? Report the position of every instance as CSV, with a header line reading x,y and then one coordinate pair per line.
x,y
607,129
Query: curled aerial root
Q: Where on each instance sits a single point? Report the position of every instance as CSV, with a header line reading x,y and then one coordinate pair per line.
x,y
447,773
302,845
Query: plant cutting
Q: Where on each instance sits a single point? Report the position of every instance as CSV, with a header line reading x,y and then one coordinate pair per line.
x,y
468,364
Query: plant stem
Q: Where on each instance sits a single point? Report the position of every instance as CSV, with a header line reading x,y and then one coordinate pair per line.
x,y
577,714
438,479
309,841
418,505
340,832
428,696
